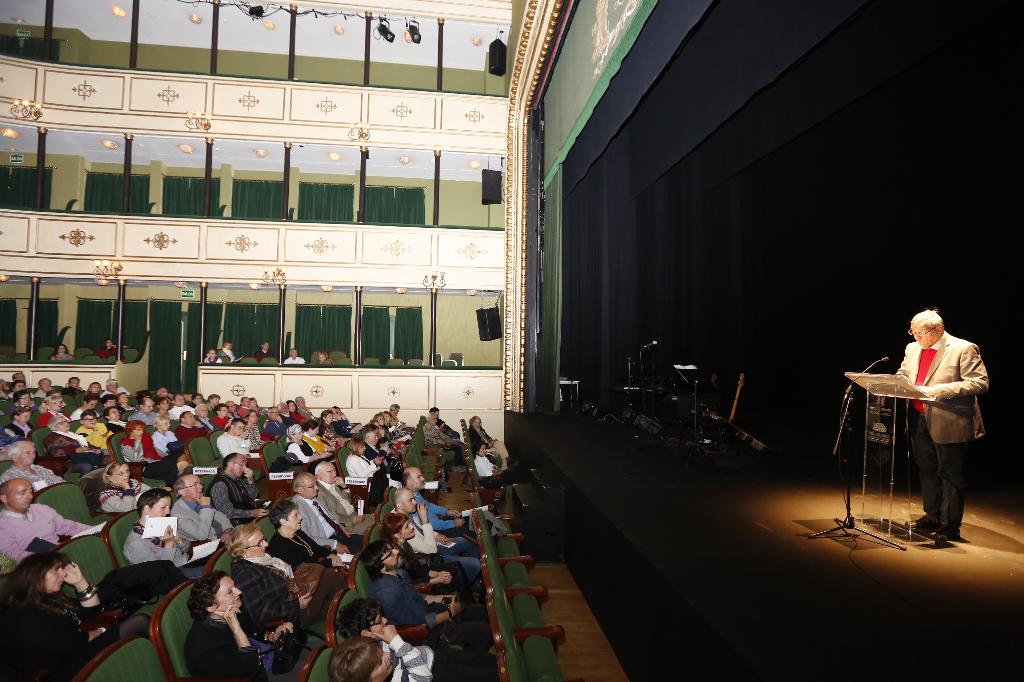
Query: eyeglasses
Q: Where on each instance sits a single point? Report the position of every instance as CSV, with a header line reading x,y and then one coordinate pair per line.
x,y
262,542
923,332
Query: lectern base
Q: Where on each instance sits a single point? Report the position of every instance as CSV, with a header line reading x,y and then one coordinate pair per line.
x,y
847,527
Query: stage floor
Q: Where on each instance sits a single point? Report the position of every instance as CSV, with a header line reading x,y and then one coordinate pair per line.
x,y
725,543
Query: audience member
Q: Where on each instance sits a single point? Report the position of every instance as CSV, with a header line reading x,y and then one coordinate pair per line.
x,y
222,416
26,528
90,401
212,358
478,434
335,497
299,450
115,424
359,463
442,576
20,426
145,411
203,418
232,441
23,456
275,426
108,351
137,446
233,491
52,406
43,388
61,354
263,352
170,546
164,439
291,545
188,429
267,582
459,548
198,519
179,407
294,358
227,352
323,359
317,522
121,493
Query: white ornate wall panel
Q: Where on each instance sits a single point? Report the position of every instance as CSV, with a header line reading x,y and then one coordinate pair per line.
x,y
75,237
73,89
320,246
59,374
14,233
318,389
457,392
153,247
385,247
155,103
234,385
408,390
144,240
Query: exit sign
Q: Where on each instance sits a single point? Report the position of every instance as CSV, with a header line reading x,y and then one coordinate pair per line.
x,y
188,294
23,33
17,158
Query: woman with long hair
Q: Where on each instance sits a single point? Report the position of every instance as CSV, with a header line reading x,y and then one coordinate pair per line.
x,y
40,625
443,577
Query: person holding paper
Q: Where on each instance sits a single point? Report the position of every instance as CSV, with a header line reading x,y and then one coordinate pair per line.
x,y
23,457
197,518
233,491
26,528
155,504
121,493
950,372
317,522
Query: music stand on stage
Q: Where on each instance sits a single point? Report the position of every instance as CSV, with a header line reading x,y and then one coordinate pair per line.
x,y
689,374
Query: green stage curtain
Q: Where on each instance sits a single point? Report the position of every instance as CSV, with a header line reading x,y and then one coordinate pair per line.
x,y
326,203
409,333
103,192
28,48
257,199
8,322
197,351
322,327
136,323
396,205
18,187
184,196
548,399
376,333
165,345
47,313
94,323
247,325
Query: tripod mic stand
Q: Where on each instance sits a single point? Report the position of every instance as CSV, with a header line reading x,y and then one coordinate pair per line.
x,y
848,523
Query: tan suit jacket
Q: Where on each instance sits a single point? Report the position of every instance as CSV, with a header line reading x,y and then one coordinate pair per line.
x,y
958,375
342,509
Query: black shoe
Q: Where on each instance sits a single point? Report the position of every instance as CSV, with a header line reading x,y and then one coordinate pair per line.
x,y
926,523
951,534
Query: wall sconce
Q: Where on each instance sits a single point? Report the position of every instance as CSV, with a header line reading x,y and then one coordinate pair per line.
x,y
196,121
400,290
4,278
433,281
277,276
23,108
106,270
326,288
359,131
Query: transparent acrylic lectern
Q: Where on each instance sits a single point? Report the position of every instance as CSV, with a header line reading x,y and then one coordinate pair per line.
x,y
883,391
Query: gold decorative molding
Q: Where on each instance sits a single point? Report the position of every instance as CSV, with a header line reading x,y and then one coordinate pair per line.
x,y
160,241
316,390
396,248
77,237
468,392
320,246
238,390
167,95
474,115
402,110
241,243
248,100
84,90
470,251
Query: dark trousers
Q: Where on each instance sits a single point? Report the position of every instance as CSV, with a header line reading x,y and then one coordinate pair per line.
x,y
454,665
942,469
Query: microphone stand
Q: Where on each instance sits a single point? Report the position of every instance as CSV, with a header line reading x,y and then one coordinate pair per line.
x,y
848,523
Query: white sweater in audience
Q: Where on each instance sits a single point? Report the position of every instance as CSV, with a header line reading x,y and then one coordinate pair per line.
x,y
358,467
484,468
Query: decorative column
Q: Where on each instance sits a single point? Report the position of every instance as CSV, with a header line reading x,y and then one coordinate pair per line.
x,y
121,286
282,352
40,168
434,283
133,50
214,36
202,321
48,31
126,175
440,53
208,177
293,12
33,309
357,345
364,154
366,48
287,179
437,186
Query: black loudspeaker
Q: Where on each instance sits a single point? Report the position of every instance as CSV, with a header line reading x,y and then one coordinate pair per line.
x,y
490,183
496,58
489,323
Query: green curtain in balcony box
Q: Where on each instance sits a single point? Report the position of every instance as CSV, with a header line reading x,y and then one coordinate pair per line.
x,y
338,322
395,205
256,199
247,325
94,323
165,345
197,350
409,333
103,192
8,322
184,196
322,327
376,333
326,203
28,48
136,325
18,187
47,313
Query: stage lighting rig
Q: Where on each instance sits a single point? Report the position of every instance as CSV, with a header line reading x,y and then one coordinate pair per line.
x,y
384,30
412,32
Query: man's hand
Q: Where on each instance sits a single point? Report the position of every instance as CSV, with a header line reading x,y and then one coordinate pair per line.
x,y
204,501
385,632
440,537
304,600
259,513
930,392
421,511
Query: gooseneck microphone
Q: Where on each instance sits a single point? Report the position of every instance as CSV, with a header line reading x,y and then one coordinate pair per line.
x,y
865,371
651,344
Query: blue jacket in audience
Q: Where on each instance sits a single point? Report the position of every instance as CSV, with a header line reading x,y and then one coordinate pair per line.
x,y
439,520
401,603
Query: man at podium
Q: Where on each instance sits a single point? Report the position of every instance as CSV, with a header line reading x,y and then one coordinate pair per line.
x,y
951,373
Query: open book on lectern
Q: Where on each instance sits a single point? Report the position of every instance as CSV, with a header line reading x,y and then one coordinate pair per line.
x,y
893,385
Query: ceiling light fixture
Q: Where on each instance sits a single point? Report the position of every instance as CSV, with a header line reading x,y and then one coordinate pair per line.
x,y
334,156
186,148
412,32
9,132
254,285
326,288
195,18
269,24
109,144
400,290
404,160
260,153
339,30
4,278
474,164
384,30
476,40
118,11
470,292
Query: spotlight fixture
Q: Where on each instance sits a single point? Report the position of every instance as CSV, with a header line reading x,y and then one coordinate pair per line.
x,y
260,153
474,164
404,160
326,288
476,40
434,281
9,132
269,24
109,144
24,108
196,121
471,292
339,30
254,285
195,18
186,148
118,11
106,270
400,290
334,156
277,276
4,278
384,30
412,32
256,11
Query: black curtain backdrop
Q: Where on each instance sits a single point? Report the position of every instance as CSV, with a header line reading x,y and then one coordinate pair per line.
x,y
873,177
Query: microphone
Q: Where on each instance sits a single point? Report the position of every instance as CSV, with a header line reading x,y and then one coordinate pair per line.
x,y
651,344
865,371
